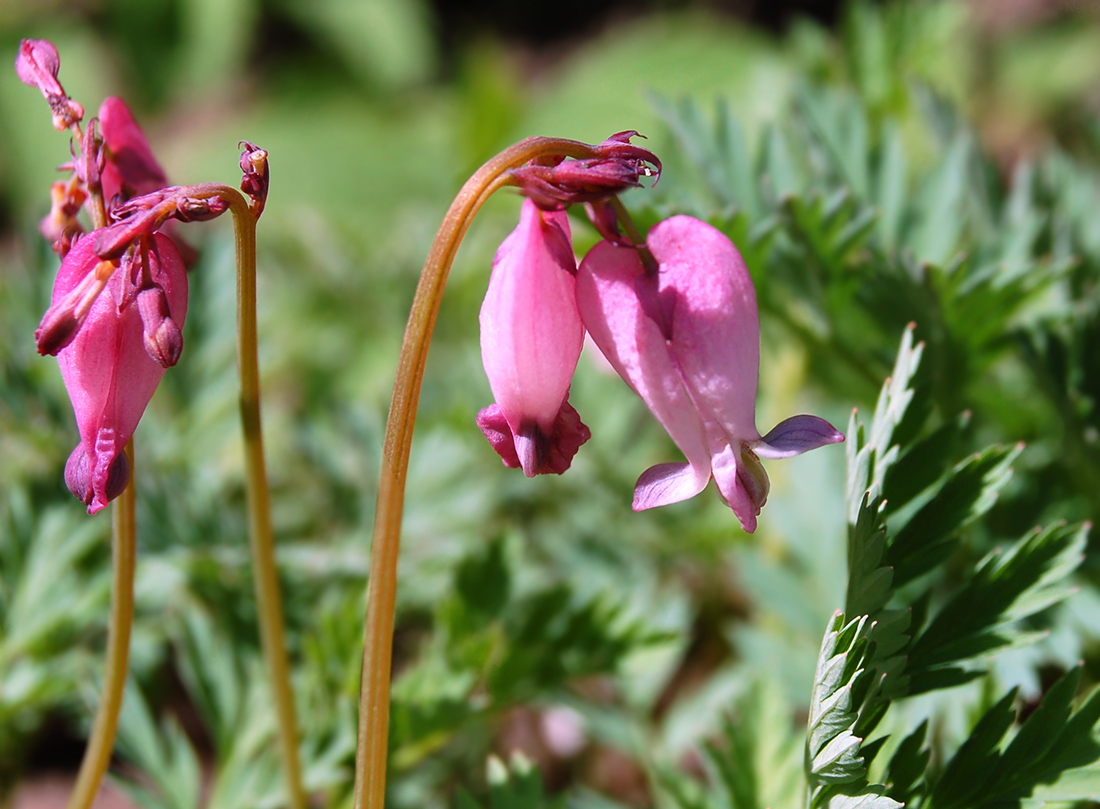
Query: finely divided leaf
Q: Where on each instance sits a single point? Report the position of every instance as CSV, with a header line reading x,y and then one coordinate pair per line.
x,y
1006,587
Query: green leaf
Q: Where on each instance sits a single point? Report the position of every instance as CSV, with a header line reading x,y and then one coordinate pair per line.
x,y
1006,588
1053,756
832,750
965,493
969,771
755,763
872,798
908,764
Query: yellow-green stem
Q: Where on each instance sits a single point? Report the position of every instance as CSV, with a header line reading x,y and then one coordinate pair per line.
x,y
269,602
97,756
261,539
374,694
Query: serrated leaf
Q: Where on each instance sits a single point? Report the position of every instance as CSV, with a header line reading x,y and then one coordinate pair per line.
x,y
908,764
1006,587
969,770
839,761
870,799
967,492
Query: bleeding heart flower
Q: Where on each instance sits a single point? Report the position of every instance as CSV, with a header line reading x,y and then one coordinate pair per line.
x,y
127,320
531,339
686,338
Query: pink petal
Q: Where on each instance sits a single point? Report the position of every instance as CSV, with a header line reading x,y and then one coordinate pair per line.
x,y
532,450
796,435
531,332
742,482
669,483
708,298
131,167
37,65
632,342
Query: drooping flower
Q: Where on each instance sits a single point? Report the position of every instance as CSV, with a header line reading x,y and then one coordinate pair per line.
x,y
128,333
531,339
686,338
119,302
531,333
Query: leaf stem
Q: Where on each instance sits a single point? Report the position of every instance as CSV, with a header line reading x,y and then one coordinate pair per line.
x,y
97,755
374,694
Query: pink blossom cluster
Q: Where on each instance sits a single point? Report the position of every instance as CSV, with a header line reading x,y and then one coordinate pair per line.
x,y
676,318
115,320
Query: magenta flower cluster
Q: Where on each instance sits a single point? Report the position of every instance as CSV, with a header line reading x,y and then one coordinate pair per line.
x,y
676,318
115,320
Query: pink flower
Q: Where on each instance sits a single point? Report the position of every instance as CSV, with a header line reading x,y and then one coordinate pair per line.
x,y
686,338
37,65
123,341
130,169
531,339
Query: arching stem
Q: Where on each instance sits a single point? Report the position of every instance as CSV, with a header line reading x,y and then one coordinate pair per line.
x,y
374,694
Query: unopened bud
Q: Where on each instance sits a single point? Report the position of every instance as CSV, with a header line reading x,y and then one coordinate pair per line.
x,y
37,65
618,165
257,177
162,335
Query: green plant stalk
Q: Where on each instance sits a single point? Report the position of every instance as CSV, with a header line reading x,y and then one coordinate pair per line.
x,y
97,755
261,539
374,694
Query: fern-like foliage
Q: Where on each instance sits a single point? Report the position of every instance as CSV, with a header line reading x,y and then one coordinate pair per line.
x,y
896,646
833,752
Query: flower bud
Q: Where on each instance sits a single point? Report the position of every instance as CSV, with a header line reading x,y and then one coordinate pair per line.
x,y
37,65
257,176
618,165
162,335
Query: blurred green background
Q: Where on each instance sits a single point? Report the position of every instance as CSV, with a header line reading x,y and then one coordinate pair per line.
x,y
877,164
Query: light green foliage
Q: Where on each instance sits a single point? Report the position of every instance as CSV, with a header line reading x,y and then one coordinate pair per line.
x,y
755,761
832,750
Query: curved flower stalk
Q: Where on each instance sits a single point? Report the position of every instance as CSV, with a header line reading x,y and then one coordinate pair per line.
x,y
686,338
115,323
553,173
